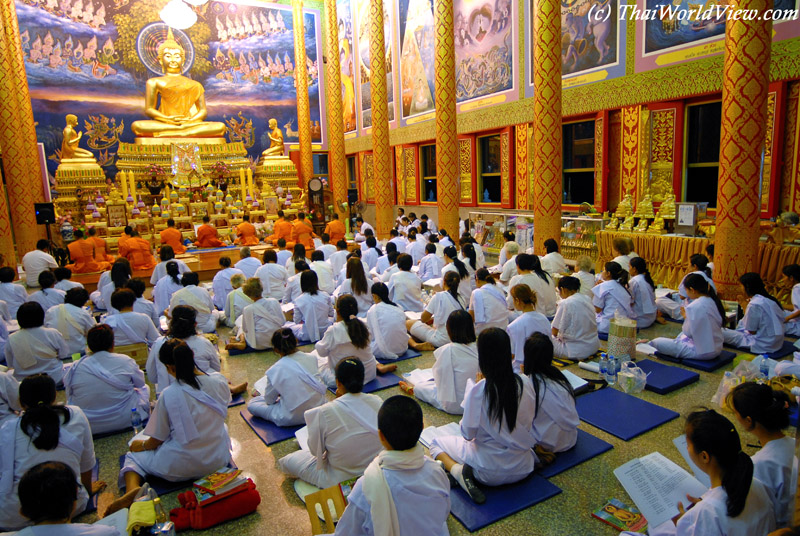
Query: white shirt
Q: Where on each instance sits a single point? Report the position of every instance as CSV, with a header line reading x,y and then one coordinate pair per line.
x,y
146,307
488,304
387,327
644,301
405,289
14,295
234,305
336,346
48,298
327,250
587,283
313,306
267,318
416,249
132,328
555,426
292,291
576,322
388,273
66,284
161,270
34,263
370,256
430,267
51,349
273,279
9,397
163,291
775,465
523,327
509,269
221,285
702,328
190,295
248,266
611,297
545,292
455,365
206,358
464,285
553,263
74,332
324,276
624,261
288,394
400,242
440,307
364,300
338,260
283,256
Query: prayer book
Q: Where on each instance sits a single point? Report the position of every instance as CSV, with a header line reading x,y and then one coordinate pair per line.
x,y
621,516
431,432
219,481
656,485
418,376
578,384
302,437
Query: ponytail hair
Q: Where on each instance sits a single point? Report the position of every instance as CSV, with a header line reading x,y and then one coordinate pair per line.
x,y
41,420
382,291
451,252
178,354
523,293
616,272
641,267
699,284
347,307
762,404
710,432
538,365
468,250
701,262
537,268
503,388
484,275
372,242
284,342
450,281
173,271
754,285
350,373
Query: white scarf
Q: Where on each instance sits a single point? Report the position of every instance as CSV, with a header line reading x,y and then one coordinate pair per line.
x,y
494,291
358,409
376,489
27,348
123,326
193,300
65,318
446,389
180,417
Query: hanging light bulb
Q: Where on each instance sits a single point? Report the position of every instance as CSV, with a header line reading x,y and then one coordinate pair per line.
x,y
178,15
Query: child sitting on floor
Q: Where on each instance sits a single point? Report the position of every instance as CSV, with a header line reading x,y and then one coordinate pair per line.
x,y
401,483
259,321
760,331
574,328
342,434
293,384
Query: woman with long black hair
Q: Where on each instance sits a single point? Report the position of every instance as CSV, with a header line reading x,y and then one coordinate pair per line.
x,y
455,265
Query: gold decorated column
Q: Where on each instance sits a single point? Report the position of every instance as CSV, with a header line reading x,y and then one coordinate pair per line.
x,y
381,152
547,163
303,106
337,159
18,135
6,235
447,161
745,77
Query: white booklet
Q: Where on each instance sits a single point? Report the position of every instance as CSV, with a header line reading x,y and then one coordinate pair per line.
x,y
680,444
302,437
574,380
413,315
418,376
656,485
452,429
646,349
261,384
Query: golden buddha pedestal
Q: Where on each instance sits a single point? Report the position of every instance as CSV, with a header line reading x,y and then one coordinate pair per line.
x,y
77,170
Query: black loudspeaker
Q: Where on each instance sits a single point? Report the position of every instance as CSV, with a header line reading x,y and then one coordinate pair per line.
x,y
45,213
352,195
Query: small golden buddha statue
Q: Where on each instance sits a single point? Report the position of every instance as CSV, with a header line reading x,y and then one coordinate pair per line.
x,y
667,208
182,110
644,209
613,225
641,227
276,141
70,152
625,207
627,224
658,226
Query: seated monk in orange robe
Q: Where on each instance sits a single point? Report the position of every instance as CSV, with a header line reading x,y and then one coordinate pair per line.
x,y
246,232
282,229
303,232
137,250
208,236
172,237
81,251
126,234
100,247
335,229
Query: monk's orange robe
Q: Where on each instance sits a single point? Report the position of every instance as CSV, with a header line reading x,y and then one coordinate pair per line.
x,y
123,237
336,230
303,233
246,233
282,229
173,238
100,249
137,251
82,253
208,237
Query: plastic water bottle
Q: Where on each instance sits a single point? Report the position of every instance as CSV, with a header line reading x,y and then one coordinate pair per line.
x,y
603,363
611,371
136,421
763,367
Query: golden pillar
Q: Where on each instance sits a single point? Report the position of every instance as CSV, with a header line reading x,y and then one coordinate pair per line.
x,y
381,152
447,161
18,136
547,163
301,82
6,234
337,159
745,77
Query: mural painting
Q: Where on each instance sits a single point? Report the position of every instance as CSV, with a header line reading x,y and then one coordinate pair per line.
x,y
362,27
344,13
417,74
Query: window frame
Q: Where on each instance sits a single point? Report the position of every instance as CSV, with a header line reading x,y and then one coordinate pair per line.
x,y
593,118
423,177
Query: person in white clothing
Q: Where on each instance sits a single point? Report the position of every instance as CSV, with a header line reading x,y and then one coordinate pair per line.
x,y
701,336
405,287
312,310
35,349
259,320
496,442
247,264
387,325
342,434
284,253
356,284
737,503
487,305
120,274
611,296
671,304
143,305
765,413
186,437
9,397
293,291
555,422
13,294
273,276
584,266
338,259
129,327
372,252
45,432
510,266
71,320
298,255
455,265
107,386
221,284
363,229
323,271
383,263
529,272
391,269
48,493
199,299
529,322
509,238
642,291
293,385
480,259
347,337
430,331
167,254
326,248
37,261
398,241
791,319
401,479
431,265
47,296
236,301
621,247
552,263
456,364
415,248
429,222
574,328
761,330
63,279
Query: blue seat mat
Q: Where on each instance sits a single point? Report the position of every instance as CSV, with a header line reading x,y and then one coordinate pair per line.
x,y
381,382
587,447
621,414
410,354
663,379
237,400
268,431
706,365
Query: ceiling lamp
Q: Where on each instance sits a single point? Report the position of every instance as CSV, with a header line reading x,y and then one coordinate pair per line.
x,y
178,15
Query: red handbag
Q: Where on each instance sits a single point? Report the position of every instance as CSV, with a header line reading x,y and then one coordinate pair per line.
x,y
237,503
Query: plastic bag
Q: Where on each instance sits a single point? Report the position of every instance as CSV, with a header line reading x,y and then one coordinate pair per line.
x,y
744,371
631,378
622,337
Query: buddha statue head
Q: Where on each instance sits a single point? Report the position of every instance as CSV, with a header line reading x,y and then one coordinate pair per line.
x,y
171,55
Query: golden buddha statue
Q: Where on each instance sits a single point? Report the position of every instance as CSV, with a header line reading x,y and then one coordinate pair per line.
x,y
275,149
627,225
667,208
70,152
644,209
625,207
182,110
658,226
641,227
613,225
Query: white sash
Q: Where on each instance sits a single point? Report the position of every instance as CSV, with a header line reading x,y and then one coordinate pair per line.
x,y
178,408
495,292
293,398
65,318
26,348
357,409
128,331
249,323
94,368
90,365
193,300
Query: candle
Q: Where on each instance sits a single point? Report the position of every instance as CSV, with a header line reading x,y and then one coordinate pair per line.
x,y
123,184
250,181
241,182
132,178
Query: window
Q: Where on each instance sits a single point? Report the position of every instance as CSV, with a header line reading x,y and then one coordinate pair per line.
x,y
428,157
321,165
489,159
578,181
702,152
351,173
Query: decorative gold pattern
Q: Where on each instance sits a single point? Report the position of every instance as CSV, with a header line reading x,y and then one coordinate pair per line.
x,y
766,173
599,151
614,154
523,176
790,179
629,151
381,152
465,169
505,169
303,106
644,153
409,154
337,159
744,106
367,174
399,174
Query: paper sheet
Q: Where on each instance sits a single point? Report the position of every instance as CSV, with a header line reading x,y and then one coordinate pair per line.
x,y
452,429
287,307
646,349
261,384
118,520
302,437
574,380
418,376
436,282
683,448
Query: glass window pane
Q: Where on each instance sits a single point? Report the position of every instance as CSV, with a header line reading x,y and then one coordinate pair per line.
x,y
701,185
429,161
429,190
320,164
704,129
490,154
578,145
351,171
579,187
490,189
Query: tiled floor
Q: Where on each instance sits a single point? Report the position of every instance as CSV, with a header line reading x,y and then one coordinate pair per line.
x,y
585,487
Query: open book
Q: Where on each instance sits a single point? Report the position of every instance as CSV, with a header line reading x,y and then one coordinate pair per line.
x,y
452,429
578,384
418,376
657,485
302,438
